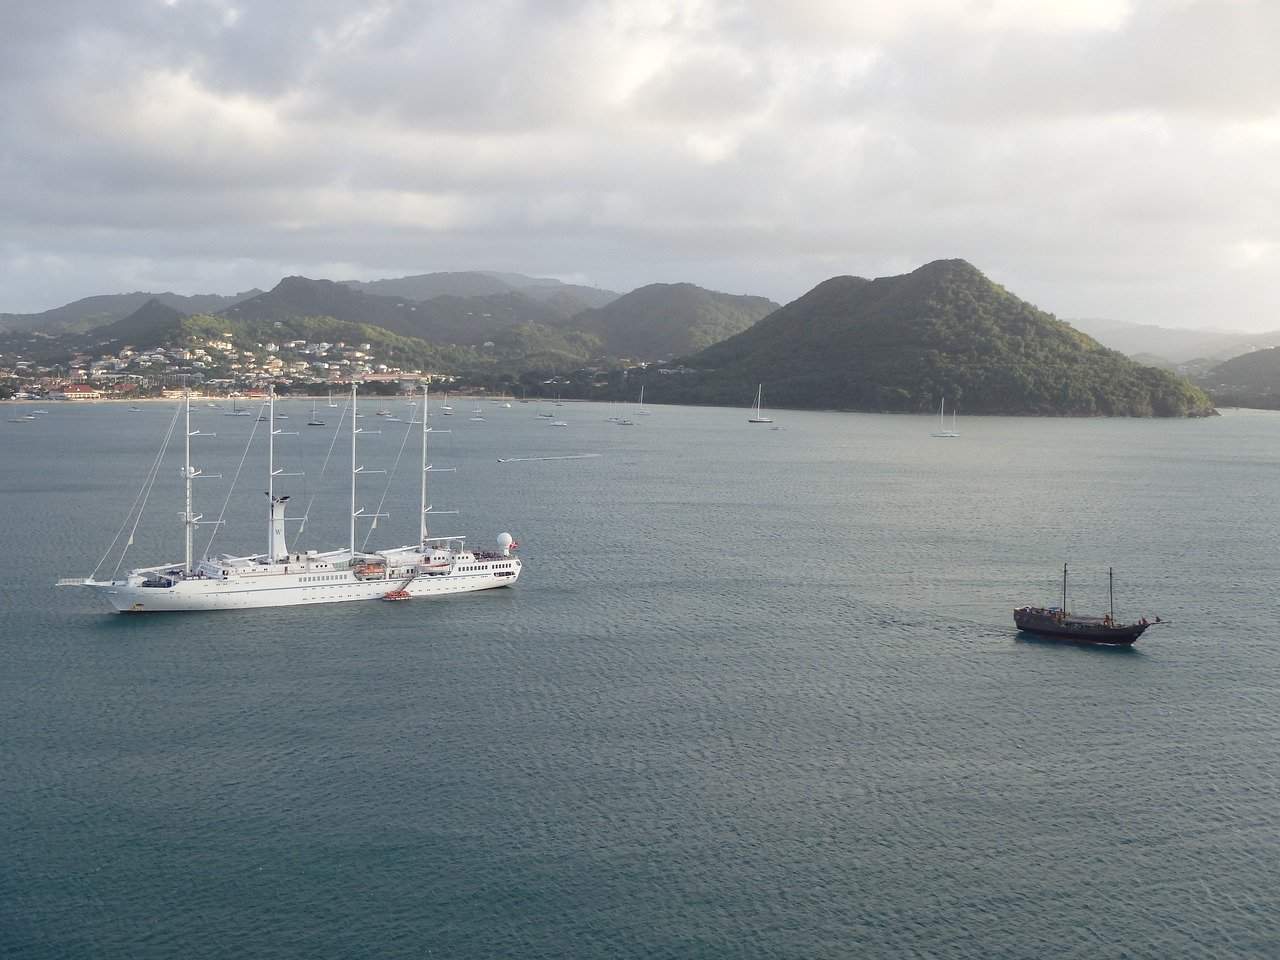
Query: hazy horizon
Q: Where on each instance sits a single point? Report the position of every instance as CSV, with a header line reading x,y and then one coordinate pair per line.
x,y
1106,159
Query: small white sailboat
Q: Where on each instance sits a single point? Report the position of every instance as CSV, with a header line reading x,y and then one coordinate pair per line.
x,y
642,412
235,411
942,431
757,411
331,403
477,414
315,420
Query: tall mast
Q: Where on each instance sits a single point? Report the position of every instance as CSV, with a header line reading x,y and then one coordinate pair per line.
x,y
188,520
1064,588
271,471
422,510
353,470
1111,589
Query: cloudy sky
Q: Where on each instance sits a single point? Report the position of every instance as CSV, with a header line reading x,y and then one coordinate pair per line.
x,y
1115,158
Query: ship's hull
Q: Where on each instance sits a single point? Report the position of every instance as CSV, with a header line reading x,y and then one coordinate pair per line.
x,y
247,593
1078,629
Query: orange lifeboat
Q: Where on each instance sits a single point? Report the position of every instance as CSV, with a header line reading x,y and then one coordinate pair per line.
x,y
397,595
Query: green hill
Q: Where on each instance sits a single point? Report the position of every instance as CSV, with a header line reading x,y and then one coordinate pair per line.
x,y
1252,380
468,320
390,348
666,319
149,325
565,299
91,313
904,343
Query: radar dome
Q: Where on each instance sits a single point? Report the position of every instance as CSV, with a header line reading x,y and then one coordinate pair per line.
x,y
504,542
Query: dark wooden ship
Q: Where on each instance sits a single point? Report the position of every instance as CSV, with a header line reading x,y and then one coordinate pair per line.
x,y
1057,622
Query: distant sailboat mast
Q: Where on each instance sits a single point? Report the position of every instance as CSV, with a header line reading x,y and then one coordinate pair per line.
x,y
757,412
942,422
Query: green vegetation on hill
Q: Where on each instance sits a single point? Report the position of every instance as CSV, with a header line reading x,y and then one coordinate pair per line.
x,y
666,319
565,299
1252,380
904,343
390,348
92,313
475,322
467,320
149,325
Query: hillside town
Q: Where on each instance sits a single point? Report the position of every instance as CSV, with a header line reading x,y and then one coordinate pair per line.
x,y
213,366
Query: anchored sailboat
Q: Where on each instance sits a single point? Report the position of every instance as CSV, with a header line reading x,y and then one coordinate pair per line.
x,y
433,566
757,410
942,430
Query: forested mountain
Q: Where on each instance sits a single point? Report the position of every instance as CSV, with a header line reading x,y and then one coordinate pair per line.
x,y
554,319
1252,380
82,315
653,322
442,319
666,319
565,299
151,324
904,343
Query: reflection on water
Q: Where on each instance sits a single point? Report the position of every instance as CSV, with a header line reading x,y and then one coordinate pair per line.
x,y
756,694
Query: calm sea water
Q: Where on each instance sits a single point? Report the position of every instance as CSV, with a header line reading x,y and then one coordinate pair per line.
x,y
758,694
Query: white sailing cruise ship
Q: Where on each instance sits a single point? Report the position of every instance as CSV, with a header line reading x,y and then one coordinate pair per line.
x,y
431,567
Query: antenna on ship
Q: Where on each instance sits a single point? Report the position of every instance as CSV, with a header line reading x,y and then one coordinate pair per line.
x,y
1064,588
1111,590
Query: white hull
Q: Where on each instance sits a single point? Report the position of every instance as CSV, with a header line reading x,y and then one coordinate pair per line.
x,y
289,590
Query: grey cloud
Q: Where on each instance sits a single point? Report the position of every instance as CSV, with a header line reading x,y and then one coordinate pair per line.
x,y
1117,164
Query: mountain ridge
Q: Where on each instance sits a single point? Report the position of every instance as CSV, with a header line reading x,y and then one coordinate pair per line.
x,y
660,320
80,316
903,343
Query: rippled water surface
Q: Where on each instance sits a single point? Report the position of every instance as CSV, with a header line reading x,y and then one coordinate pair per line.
x,y
757,694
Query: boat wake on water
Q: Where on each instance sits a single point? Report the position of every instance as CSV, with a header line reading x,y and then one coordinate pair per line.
x,y
571,456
